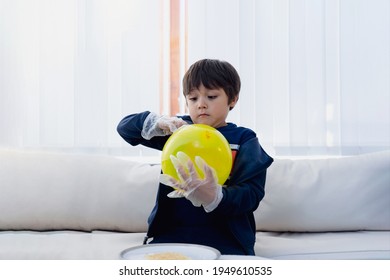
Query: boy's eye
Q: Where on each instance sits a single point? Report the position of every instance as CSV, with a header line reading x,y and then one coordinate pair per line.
x,y
192,98
212,96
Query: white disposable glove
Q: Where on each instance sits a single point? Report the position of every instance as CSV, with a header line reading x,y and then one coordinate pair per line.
x,y
204,192
156,125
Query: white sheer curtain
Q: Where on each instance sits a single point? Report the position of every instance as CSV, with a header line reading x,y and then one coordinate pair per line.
x,y
71,69
315,73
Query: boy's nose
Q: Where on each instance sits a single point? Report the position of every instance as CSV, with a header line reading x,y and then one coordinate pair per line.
x,y
202,103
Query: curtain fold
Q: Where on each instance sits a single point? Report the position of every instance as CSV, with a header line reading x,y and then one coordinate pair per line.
x,y
70,70
315,74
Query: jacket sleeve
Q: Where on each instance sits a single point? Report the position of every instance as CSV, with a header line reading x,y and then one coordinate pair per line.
x,y
246,186
130,128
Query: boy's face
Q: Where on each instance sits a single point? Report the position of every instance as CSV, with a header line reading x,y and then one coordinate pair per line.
x,y
209,106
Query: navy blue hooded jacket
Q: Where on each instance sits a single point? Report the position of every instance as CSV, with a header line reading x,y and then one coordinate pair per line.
x,y
230,228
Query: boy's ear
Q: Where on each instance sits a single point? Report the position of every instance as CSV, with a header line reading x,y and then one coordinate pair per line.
x,y
233,103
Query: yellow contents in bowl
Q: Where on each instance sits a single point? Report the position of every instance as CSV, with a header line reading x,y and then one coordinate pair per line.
x,y
167,256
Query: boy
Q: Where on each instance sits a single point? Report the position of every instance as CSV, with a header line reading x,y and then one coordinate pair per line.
x,y
201,211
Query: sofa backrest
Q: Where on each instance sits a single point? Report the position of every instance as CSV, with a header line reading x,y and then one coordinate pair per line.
x,y
54,191
334,194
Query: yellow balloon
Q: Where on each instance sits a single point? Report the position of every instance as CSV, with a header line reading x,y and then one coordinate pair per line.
x,y
199,140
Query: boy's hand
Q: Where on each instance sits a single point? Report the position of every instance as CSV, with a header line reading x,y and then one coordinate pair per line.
x,y
156,125
169,124
206,192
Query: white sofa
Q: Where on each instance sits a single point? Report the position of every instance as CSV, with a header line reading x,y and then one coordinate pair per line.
x,y
73,206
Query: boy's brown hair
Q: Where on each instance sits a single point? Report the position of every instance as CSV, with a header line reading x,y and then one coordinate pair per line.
x,y
213,74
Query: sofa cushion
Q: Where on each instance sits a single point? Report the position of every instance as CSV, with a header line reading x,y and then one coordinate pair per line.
x,y
48,191
75,245
66,245
334,194
350,245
